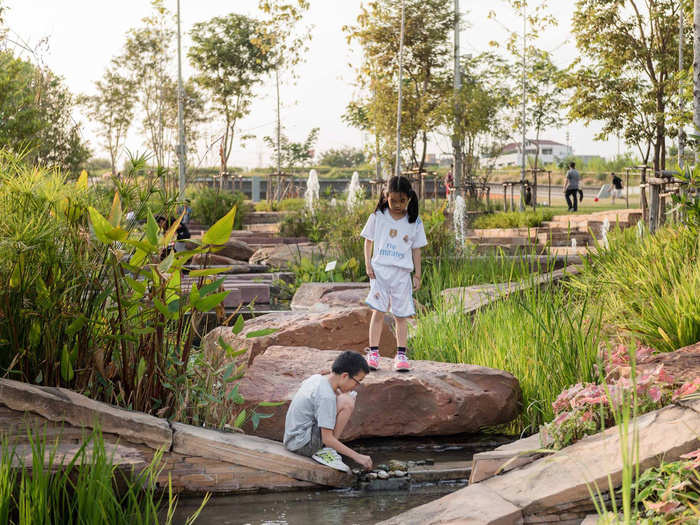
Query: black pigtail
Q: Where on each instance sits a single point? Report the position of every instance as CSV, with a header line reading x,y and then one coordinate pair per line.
x,y
383,203
413,207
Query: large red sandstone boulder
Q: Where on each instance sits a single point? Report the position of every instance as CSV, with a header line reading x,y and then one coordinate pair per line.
x,y
338,328
432,399
235,249
683,364
323,296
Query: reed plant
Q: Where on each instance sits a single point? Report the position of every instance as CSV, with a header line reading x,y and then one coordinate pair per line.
x,y
87,489
542,335
648,286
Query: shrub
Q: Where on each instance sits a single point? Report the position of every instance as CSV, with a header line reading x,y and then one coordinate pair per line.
x,y
209,205
513,219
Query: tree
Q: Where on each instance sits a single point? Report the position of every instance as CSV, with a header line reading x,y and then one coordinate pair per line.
x,y
36,115
428,26
147,56
482,101
294,154
626,75
231,59
343,157
113,109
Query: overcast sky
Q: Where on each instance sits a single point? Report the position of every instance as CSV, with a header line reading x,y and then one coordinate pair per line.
x,y
83,35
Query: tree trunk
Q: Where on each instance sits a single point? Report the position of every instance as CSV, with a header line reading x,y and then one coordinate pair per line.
x,y
425,149
696,72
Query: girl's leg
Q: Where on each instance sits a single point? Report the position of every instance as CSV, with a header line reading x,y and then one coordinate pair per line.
x,y
375,328
401,331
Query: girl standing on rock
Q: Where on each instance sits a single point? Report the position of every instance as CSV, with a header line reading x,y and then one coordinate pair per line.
x,y
394,235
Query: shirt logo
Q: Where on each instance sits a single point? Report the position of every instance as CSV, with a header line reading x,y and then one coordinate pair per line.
x,y
405,238
393,233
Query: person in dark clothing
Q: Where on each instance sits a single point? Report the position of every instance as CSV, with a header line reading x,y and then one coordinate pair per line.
x,y
571,187
616,187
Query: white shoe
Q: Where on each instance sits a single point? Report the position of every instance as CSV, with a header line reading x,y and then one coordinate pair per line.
x,y
329,457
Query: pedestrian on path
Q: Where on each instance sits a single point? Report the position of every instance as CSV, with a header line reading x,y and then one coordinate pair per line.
x,y
616,187
571,187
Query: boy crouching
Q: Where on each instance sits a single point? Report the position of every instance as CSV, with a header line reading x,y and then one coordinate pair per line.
x,y
320,410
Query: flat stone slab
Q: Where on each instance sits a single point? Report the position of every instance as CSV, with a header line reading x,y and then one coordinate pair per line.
x,y
683,364
323,296
473,298
345,328
61,404
433,399
254,452
505,458
443,471
560,483
281,256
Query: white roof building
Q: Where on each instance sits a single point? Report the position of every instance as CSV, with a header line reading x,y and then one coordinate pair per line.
x,y
550,151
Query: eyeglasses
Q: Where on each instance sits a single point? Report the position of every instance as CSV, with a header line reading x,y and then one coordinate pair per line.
x,y
356,381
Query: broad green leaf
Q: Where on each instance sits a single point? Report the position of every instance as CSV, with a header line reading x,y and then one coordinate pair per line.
x,y
144,246
220,232
210,301
174,306
152,229
228,372
138,259
66,366
235,353
34,334
117,234
240,419
100,225
238,325
209,271
82,182
194,294
166,263
173,291
223,344
39,378
140,371
137,286
233,393
256,417
173,228
76,325
115,214
261,333
162,308
208,288
270,403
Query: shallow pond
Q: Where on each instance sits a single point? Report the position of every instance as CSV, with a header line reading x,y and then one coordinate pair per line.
x,y
349,506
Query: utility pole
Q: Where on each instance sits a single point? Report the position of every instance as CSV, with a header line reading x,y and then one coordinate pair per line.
x,y
681,134
398,111
524,159
181,148
279,123
456,138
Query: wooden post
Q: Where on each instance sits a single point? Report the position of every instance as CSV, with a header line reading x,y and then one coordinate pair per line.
x,y
643,195
627,188
534,190
512,197
505,196
549,186
654,190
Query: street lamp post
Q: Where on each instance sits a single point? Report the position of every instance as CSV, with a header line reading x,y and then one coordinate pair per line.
x,y
181,148
398,111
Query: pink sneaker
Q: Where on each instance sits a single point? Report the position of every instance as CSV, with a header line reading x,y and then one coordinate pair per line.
x,y
372,359
401,363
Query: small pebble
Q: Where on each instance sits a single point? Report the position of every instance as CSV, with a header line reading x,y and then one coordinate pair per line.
x,y
382,466
429,461
372,476
420,462
398,473
397,465
382,474
411,464
356,471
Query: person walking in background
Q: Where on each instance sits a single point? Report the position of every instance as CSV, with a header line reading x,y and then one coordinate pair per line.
x,y
616,187
394,235
571,187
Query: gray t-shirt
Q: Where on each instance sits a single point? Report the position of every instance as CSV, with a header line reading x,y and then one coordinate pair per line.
x,y
314,401
572,177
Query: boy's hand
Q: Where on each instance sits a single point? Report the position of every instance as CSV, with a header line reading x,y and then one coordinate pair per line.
x,y
416,282
365,461
370,271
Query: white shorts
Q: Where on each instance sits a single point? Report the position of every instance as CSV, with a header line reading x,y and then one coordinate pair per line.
x,y
617,193
391,291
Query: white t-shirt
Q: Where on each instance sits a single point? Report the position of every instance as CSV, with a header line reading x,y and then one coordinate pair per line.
x,y
394,239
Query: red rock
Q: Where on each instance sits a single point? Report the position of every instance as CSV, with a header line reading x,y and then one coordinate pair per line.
x,y
283,255
322,296
332,330
212,259
235,249
433,399
683,364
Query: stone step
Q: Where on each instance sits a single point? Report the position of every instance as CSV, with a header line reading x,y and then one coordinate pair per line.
x,y
511,241
508,250
239,268
263,227
504,458
264,217
247,292
267,278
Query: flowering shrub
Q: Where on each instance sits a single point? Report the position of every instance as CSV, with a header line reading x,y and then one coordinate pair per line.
x,y
587,408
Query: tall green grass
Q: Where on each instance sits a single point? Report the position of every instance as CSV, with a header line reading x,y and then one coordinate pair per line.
x,y
89,489
648,287
542,336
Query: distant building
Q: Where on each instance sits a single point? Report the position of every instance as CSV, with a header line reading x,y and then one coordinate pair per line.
x,y
431,158
550,151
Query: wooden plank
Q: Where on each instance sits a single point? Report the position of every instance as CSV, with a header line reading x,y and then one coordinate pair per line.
x,y
60,404
254,452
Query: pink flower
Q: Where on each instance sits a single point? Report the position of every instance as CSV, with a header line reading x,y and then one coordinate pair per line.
x,y
644,354
664,376
587,416
662,507
561,418
687,388
655,394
